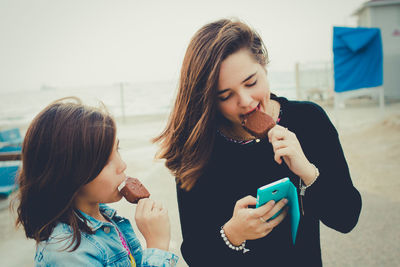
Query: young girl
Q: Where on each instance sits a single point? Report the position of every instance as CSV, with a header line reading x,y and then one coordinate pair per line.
x,y
71,165
219,165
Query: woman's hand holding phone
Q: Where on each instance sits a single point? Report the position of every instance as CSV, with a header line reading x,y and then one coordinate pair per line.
x,y
249,223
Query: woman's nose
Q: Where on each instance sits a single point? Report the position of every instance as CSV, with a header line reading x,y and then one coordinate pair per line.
x,y
244,99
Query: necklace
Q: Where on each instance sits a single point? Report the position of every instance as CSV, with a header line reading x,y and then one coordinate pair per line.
x,y
273,110
125,245
239,138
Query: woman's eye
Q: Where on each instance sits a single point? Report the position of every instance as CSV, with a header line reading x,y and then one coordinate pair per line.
x,y
252,84
224,98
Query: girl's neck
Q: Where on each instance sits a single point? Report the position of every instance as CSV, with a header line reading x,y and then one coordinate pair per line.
x,y
91,209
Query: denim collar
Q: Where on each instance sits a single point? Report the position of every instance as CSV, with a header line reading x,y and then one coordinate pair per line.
x,y
95,224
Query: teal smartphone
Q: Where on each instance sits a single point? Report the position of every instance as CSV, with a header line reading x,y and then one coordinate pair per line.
x,y
276,191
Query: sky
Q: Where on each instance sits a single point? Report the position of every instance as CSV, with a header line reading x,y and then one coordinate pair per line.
x,y
98,42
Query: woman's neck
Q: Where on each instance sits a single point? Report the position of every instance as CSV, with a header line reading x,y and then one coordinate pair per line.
x,y
235,131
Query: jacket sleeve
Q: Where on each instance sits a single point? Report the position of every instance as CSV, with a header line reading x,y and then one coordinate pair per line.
x,y
332,198
148,257
202,243
157,257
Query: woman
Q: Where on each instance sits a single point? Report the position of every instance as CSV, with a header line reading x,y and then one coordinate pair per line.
x,y
219,165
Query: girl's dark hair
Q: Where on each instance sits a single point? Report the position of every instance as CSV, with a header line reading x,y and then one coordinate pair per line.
x,y
187,141
66,146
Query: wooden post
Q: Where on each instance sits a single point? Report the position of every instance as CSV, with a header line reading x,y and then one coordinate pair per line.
x,y
14,155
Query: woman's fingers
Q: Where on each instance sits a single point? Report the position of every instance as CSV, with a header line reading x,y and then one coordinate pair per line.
x,y
246,201
250,223
276,221
281,153
278,133
282,142
266,232
260,211
279,144
268,226
276,208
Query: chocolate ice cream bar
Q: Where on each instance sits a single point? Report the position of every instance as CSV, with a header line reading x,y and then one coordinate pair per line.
x,y
258,124
133,190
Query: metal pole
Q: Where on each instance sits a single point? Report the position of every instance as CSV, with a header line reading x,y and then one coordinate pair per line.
x,y
122,101
297,73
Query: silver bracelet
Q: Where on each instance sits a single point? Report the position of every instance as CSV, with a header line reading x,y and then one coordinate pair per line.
x,y
230,245
303,187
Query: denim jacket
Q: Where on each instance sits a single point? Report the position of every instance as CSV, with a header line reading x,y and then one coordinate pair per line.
x,y
103,248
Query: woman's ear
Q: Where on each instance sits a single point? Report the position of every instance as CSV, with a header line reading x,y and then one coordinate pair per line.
x,y
220,119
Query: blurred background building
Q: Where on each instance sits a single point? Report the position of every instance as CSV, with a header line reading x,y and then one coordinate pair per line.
x,y
314,80
385,14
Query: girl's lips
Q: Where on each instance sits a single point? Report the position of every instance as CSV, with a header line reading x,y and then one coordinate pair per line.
x,y
122,184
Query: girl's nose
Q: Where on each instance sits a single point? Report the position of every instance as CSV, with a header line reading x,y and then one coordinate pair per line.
x,y
122,166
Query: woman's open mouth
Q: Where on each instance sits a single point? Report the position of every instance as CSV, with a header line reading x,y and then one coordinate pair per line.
x,y
243,117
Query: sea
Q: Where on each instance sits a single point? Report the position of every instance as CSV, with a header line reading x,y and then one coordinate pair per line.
x,y
18,108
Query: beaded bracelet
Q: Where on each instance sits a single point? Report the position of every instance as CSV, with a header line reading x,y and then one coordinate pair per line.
x,y
230,245
304,187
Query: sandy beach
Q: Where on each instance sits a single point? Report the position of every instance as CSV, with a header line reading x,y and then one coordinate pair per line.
x,y
371,143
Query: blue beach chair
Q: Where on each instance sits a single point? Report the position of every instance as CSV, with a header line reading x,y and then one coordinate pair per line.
x,y
10,149
10,140
8,176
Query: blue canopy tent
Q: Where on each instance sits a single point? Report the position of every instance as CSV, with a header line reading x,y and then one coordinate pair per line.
x,y
358,61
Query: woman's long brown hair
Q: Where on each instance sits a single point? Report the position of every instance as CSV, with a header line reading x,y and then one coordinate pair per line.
x,y
188,139
66,146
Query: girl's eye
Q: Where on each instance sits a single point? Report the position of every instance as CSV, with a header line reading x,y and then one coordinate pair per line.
x,y
252,84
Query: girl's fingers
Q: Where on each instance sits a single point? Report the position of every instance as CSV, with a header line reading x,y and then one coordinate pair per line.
x,y
157,206
139,207
147,205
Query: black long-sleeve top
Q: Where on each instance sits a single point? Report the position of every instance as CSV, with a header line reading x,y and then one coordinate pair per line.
x,y
235,171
